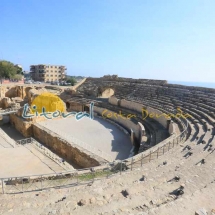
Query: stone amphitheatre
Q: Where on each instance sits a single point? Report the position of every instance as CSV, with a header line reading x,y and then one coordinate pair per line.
x,y
149,149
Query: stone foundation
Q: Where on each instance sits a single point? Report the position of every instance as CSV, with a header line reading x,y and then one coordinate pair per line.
x,y
70,152
23,126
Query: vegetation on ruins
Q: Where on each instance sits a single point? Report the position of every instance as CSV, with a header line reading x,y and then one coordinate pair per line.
x,y
71,80
9,70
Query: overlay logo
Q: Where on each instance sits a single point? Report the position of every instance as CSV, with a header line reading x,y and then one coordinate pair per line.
x,y
51,106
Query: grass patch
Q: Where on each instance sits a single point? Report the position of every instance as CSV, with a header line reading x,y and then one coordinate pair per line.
x,y
90,176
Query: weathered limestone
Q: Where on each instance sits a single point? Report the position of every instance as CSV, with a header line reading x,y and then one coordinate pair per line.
x,y
106,93
131,105
33,93
123,121
23,126
71,152
113,100
5,102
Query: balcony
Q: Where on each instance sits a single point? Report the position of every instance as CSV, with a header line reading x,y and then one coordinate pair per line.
x,y
41,66
42,71
62,68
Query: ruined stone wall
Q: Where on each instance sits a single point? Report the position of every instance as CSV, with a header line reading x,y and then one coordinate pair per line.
x,y
11,92
2,91
113,100
71,152
107,93
139,108
131,105
21,125
33,93
21,91
126,123
5,102
78,84
171,129
74,106
161,119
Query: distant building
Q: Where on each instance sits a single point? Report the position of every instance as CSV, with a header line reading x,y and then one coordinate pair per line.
x,y
27,75
43,72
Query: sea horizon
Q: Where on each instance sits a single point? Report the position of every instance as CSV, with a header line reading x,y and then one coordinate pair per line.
x,y
195,84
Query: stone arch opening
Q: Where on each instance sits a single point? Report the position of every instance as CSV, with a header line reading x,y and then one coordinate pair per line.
x,y
67,105
105,93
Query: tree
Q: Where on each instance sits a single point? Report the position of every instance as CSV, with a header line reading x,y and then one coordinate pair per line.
x,y
7,69
18,77
72,81
19,70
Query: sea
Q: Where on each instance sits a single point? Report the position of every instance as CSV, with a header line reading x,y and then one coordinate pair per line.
x,y
196,84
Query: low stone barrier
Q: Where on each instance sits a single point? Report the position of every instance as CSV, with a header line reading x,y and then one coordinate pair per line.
x,y
71,152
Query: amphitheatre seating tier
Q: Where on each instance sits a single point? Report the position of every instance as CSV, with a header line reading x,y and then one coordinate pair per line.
x,y
160,107
179,161
155,132
199,123
160,95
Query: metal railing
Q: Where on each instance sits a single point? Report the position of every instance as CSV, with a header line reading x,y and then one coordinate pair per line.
x,y
154,152
86,176
23,184
38,146
84,145
9,111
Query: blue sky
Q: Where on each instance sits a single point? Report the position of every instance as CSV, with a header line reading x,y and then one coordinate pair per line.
x,y
158,39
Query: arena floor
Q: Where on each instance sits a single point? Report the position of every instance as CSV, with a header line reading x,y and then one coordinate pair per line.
x,y
22,161
97,133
